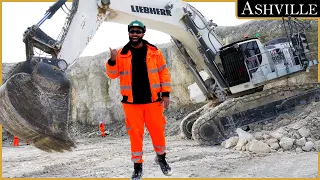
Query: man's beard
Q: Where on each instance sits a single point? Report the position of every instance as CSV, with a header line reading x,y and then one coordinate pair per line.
x,y
134,43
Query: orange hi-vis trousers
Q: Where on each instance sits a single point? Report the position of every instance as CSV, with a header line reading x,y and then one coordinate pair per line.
x,y
137,117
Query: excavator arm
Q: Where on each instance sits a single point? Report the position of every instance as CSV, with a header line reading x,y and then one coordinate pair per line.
x,y
34,100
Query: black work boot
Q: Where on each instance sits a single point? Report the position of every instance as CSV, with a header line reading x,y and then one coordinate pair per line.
x,y
137,172
165,168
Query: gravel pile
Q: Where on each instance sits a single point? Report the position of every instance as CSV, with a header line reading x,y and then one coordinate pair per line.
x,y
298,131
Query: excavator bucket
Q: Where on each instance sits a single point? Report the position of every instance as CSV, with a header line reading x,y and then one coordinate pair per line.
x,y
34,105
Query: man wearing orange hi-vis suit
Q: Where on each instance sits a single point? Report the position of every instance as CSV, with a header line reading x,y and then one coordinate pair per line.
x,y
101,128
15,141
145,87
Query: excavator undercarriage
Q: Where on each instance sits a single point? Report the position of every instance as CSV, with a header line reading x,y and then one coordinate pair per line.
x,y
218,123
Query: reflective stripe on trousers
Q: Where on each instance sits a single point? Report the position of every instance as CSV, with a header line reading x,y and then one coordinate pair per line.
x,y
160,149
136,157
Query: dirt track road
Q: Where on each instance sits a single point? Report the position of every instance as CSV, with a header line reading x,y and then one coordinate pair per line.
x,y
110,157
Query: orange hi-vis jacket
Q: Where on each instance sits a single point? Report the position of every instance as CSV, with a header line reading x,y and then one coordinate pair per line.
x,y
158,72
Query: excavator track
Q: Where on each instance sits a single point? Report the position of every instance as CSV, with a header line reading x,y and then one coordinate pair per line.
x,y
34,105
187,122
216,125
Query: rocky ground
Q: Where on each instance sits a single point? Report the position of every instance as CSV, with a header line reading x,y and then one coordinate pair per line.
x,y
110,157
297,131
285,147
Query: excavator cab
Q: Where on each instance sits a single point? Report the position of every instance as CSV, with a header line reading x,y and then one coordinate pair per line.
x,y
241,59
248,64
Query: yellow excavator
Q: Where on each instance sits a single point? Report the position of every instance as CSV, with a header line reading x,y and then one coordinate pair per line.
x,y
35,98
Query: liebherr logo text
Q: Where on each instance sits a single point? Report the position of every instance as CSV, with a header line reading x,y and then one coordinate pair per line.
x,y
272,8
150,10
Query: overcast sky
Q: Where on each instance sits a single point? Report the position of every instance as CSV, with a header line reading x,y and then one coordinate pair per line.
x,y
17,16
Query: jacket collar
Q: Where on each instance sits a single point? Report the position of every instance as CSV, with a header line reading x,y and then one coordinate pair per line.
x,y
126,48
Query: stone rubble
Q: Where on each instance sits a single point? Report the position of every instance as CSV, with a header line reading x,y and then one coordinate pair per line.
x,y
298,131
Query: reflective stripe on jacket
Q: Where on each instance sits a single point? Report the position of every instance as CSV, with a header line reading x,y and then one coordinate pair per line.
x,y
158,72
